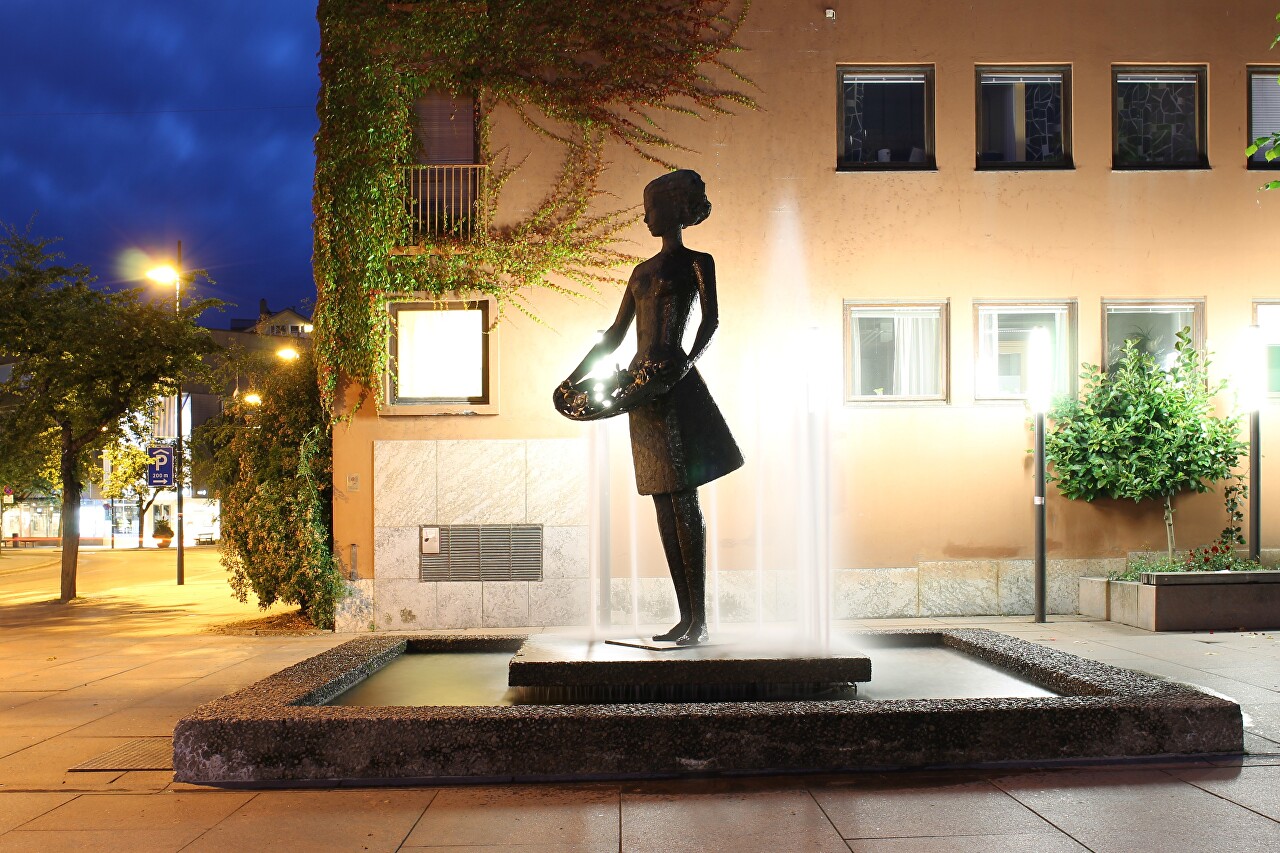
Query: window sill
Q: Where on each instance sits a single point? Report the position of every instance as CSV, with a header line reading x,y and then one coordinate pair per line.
x,y
434,409
886,167
1273,166
1025,167
1156,167
895,402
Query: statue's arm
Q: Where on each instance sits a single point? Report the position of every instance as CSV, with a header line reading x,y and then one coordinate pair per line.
x,y
705,270
610,340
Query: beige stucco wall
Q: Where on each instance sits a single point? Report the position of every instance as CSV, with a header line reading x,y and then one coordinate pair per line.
x,y
792,238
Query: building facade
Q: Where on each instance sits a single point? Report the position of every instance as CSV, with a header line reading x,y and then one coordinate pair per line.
x,y
922,184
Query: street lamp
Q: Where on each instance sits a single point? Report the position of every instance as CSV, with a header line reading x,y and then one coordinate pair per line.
x,y
1039,394
172,275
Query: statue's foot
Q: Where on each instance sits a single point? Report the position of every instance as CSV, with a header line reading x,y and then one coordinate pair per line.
x,y
695,636
674,634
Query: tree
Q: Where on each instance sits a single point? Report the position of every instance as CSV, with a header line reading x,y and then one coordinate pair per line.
x,y
1140,432
270,465
83,358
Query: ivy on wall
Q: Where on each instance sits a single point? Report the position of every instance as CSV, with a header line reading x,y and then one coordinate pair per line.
x,y
582,73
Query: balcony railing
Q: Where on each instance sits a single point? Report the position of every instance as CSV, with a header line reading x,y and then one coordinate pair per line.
x,y
445,201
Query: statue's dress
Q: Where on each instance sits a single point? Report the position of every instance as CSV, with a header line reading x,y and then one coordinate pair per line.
x,y
679,440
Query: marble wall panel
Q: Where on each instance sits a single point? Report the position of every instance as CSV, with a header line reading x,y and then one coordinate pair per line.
x,y
1015,587
404,605
781,603
566,552
737,596
395,553
658,601
556,486
888,593
958,588
481,482
459,605
354,612
560,602
404,483
505,604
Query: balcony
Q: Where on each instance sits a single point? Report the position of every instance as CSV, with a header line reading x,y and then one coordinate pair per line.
x,y
444,203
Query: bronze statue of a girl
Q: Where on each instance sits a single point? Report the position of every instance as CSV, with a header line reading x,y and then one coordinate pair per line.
x,y
679,439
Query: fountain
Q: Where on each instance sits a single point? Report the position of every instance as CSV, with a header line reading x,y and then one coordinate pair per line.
x,y
696,698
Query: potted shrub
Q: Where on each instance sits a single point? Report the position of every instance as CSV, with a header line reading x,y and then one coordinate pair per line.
x,y
162,533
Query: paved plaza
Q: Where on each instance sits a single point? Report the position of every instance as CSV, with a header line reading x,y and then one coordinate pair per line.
x,y
125,662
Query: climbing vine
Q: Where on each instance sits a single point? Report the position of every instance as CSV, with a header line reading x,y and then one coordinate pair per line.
x,y
582,73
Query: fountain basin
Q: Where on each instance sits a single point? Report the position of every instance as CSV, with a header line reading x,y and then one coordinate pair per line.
x,y
281,730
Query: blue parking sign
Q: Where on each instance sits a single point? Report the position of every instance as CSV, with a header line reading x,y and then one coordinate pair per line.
x,y
160,468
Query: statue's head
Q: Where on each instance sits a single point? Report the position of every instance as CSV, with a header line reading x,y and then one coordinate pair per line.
x,y
676,198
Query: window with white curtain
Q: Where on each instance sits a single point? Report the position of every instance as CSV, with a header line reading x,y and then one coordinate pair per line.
x,y
896,351
1268,318
1152,326
1004,343
1264,113
439,353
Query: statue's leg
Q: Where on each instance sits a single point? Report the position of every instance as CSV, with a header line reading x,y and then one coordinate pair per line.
x,y
693,550
667,527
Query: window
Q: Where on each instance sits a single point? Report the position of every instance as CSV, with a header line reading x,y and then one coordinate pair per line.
x,y
1023,118
446,184
1153,325
441,355
1267,315
1004,337
1160,118
886,118
1264,112
896,351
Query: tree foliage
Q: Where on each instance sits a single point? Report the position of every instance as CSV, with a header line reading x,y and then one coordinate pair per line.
x,y
1140,432
580,73
271,467
83,358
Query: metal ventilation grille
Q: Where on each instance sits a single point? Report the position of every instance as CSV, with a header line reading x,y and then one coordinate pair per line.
x,y
486,552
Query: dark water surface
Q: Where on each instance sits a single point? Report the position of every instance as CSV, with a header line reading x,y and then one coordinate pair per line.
x,y
480,678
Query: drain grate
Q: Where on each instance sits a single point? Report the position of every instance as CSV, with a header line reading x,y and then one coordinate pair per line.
x,y
148,753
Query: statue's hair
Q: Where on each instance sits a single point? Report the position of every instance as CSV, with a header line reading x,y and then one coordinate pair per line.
x,y
685,188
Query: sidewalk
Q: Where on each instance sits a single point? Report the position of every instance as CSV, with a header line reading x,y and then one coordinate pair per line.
x,y
133,656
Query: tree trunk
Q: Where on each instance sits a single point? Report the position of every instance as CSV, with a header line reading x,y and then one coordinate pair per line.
x,y
1168,523
71,490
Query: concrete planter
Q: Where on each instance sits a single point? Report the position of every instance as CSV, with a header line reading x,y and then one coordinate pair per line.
x,y
1187,601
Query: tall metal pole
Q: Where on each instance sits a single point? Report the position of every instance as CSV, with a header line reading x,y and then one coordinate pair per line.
x,y
1041,568
177,456
1255,484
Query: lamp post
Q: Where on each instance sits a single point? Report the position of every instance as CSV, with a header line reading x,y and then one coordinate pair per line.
x,y
1252,393
173,275
1039,392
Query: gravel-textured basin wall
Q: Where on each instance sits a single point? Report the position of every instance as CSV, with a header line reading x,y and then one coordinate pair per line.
x,y
278,731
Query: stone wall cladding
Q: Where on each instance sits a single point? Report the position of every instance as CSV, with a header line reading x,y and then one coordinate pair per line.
x,y
544,481
476,482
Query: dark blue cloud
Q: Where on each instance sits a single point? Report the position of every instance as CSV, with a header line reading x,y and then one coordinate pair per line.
x,y
131,125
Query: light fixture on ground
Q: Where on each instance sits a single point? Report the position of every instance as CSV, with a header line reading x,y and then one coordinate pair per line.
x,y
1253,392
1039,394
173,275
287,353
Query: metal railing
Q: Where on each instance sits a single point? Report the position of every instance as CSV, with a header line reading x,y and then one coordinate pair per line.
x,y
445,201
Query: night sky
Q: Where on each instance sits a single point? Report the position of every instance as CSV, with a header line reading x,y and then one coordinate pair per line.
x,y
128,125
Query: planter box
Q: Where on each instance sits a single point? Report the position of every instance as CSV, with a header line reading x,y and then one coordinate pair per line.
x,y
1187,601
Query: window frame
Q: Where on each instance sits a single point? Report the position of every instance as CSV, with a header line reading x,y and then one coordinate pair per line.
x,y
1068,153
1201,73
1029,306
1252,71
944,352
486,403
1195,304
930,163
1268,395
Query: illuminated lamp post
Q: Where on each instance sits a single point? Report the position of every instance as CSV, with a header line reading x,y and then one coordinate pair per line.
x,y
173,275
1039,394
